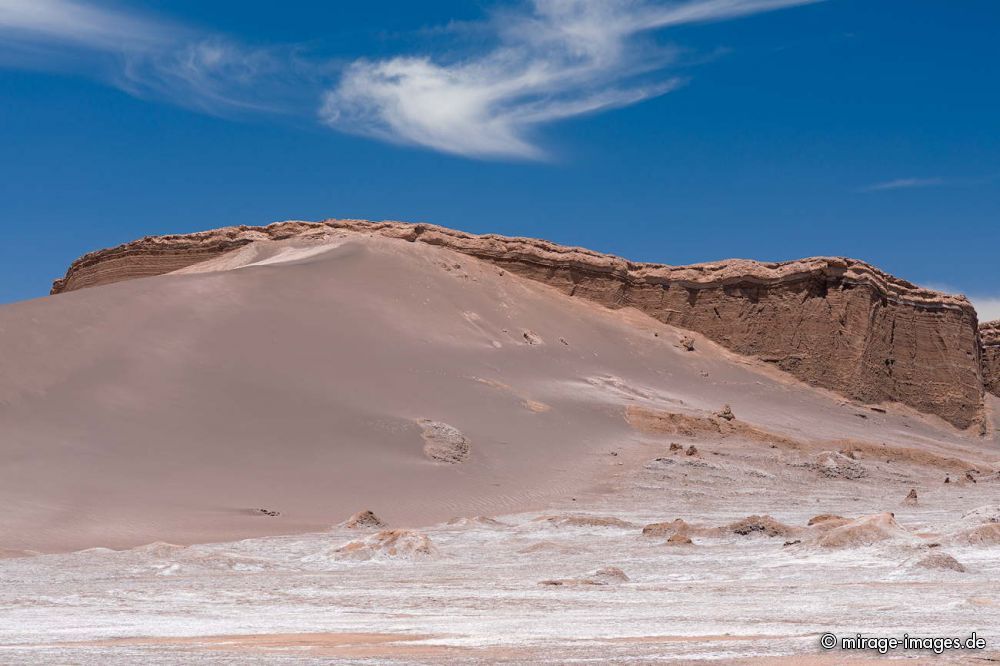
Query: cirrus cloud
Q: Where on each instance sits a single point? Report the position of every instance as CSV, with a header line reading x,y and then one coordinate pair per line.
x,y
557,59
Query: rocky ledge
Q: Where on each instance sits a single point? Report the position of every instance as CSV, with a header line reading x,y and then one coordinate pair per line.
x,y
989,333
833,322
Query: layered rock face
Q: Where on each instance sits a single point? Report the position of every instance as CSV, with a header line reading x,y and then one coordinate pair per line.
x,y
156,255
989,333
833,322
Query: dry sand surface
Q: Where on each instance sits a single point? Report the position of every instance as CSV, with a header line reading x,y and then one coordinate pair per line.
x,y
188,452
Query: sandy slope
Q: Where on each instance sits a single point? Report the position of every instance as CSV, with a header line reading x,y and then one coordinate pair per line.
x,y
293,377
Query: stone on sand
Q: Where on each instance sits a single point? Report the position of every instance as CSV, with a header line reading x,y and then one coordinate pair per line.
x,y
765,525
444,443
364,520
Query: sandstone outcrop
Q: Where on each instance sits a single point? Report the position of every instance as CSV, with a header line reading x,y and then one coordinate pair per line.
x,y
833,322
989,333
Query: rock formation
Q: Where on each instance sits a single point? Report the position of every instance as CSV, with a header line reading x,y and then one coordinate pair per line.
x,y
989,333
833,322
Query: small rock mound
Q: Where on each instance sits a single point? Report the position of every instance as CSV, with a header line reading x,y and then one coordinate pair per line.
x,y
444,443
388,544
911,498
726,413
765,525
835,465
364,520
679,539
866,531
476,521
940,561
691,451
677,526
686,343
586,521
603,576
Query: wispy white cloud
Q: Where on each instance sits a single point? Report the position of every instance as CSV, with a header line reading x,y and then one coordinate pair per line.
x,y
217,75
79,23
554,59
148,56
904,184
916,183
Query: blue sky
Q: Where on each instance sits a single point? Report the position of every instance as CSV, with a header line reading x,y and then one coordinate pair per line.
x,y
661,131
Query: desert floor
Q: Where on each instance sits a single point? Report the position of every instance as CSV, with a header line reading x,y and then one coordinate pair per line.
x,y
137,455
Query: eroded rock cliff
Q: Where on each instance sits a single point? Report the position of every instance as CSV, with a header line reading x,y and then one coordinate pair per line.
x,y
989,333
833,322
